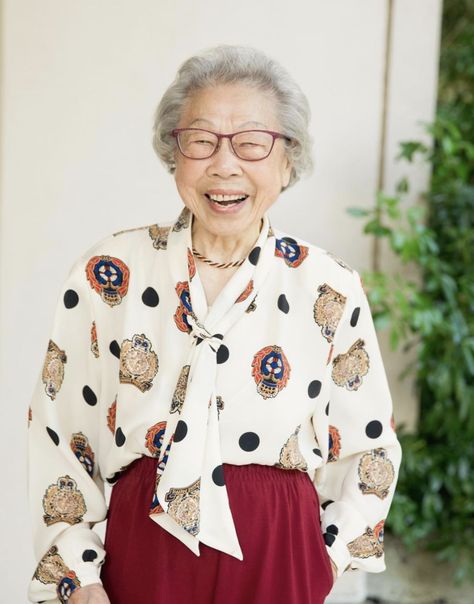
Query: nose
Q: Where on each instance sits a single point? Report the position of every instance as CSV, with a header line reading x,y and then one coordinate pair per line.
x,y
224,162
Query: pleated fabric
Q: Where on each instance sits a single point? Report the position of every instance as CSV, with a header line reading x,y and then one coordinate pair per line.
x,y
277,518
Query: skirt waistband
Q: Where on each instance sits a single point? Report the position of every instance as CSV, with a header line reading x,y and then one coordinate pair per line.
x,y
245,472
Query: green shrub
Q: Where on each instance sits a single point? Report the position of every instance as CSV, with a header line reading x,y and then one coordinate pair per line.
x,y
434,312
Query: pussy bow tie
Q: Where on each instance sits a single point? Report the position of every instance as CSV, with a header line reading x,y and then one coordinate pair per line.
x,y
190,497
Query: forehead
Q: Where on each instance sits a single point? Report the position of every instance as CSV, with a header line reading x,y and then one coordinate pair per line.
x,y
239,105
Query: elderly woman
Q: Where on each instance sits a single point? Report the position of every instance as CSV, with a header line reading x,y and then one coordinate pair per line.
x,y
223,375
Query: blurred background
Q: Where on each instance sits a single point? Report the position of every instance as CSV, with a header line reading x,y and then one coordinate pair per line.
x,y
391,88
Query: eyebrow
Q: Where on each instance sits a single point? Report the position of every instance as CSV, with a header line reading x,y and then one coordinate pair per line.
x,y
249,123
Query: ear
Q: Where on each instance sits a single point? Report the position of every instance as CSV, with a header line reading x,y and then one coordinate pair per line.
x,y
287,167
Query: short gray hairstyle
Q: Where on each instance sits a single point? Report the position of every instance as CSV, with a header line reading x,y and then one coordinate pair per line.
x,y
228,64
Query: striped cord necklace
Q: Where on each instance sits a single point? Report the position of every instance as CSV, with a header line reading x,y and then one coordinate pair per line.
x,y
217,264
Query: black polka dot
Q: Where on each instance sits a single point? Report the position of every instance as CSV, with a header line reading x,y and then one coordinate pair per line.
x,y
218,335
89,555
332,528
222,354
254,255
71,299
115,348
314,388
326,503
119,437
218,476
355,316
53,435
180,431
89,396
374,429
150,297
327,409
249,441
317,452
283,303
114,478
329,539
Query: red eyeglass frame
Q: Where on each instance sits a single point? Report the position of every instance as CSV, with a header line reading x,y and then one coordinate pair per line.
x,y
275,135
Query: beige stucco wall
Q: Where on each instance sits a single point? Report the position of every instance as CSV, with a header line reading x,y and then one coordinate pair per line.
x,y
80,81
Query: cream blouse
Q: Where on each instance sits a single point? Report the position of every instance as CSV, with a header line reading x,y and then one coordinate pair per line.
x,y
284,370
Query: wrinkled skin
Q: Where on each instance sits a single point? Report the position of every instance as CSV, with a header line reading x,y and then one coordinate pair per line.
x,y
89,594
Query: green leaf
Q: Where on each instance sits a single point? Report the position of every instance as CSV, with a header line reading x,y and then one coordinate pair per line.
x,y
403,186
358,212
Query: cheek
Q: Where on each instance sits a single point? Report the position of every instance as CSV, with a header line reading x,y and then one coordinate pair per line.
x,y
186,174
271,181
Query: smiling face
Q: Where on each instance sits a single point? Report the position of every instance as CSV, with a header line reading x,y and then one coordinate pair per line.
x,y
230,108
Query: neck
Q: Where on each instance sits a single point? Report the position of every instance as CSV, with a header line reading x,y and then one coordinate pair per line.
x,y
224,248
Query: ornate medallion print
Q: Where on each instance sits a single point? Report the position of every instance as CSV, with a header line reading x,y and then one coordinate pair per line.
x,y
183,220
109,277
246,293
111,415
154,438
191,265
376,473
138,362
328,309
334,444
62,502
155,507
52,569
252,306
370,543
184,307
292,253
180,391
183,506
271,371
290,454
94,342
66,586
159,236
53,369
83,451
349,368
220,405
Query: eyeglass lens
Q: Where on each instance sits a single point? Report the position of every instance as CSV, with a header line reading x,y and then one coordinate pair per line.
x,y
197,144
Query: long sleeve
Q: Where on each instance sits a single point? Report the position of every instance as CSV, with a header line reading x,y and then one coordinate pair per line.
x,y
65,489
364,453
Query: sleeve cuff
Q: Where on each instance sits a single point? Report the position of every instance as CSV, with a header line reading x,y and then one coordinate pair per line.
x,y
73,561
338,552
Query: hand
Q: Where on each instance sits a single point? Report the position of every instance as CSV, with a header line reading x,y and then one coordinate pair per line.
x,y
334,571
89,594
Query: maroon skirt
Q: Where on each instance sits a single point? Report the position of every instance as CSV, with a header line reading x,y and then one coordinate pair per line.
x,y
276,516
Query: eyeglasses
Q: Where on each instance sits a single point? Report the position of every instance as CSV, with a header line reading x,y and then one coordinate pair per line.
x,y
251,145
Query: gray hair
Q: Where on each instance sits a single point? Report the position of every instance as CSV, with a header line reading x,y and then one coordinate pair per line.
x,y
226,64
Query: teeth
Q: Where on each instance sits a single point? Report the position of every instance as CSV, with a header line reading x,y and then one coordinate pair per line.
x,y
227,197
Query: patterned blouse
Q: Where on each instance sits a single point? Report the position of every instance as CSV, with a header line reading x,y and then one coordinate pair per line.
x,y
283,370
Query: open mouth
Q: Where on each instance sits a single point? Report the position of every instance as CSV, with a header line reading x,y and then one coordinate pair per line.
x,y
226,200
